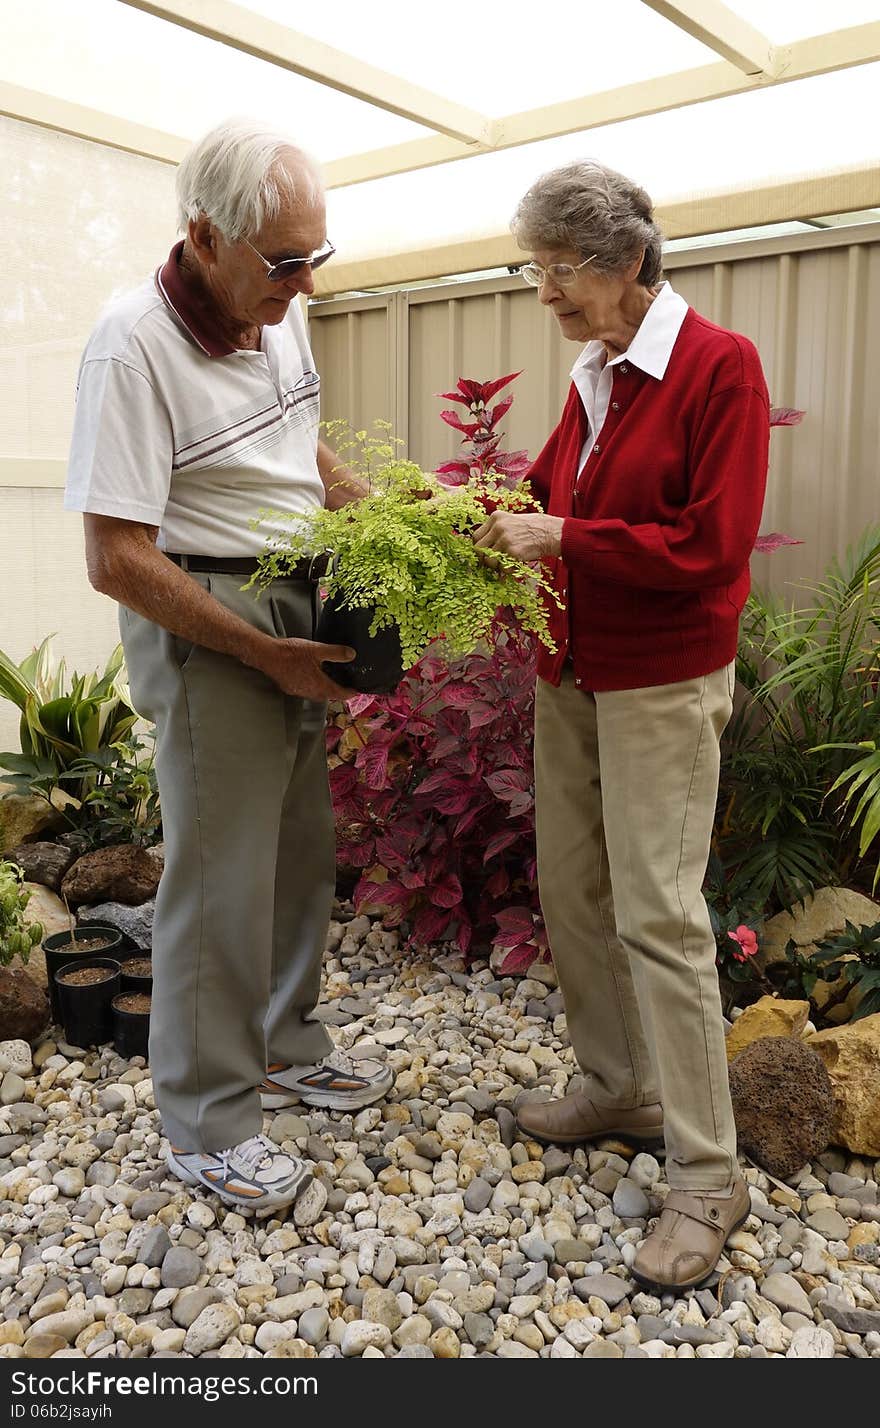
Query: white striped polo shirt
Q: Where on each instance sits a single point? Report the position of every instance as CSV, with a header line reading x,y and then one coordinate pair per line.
x,y
177,429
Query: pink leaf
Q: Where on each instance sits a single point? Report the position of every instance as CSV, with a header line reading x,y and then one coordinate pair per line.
x,y
435,781
464,935
498,411
467,821
360,704
453,419
498,842
481,714
488,389
343,780
454,397
446,892
373,763
459,694
460,469
507,783
359,855
766,544
452,803
786,416
430,922
519,959
516,919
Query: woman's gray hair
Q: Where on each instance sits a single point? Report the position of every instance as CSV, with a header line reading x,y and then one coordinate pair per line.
x,y
239,174
588,208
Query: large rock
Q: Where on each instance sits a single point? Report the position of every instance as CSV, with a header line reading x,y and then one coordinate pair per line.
x,y
44,863
24,1008
826,912
783,1103
851,1055
121,873
23,817
769,1016
135,922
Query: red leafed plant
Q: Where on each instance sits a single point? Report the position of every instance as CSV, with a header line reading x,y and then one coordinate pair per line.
x,y
432,785
483,440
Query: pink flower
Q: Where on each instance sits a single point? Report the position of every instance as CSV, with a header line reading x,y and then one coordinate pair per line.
x,y
748,943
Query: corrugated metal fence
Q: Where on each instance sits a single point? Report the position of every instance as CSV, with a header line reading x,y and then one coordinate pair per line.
x,y
811,303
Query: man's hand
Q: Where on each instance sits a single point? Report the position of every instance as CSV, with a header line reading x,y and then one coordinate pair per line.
x,y
123,562
295,666
525,535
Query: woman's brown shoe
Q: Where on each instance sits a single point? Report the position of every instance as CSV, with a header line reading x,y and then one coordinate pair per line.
x,y
575,1118
686,1243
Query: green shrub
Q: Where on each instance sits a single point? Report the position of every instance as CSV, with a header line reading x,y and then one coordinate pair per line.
x,y
808,728
16,937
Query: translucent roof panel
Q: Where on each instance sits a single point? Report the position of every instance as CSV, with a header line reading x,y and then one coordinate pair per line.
x,y
785,20
110,57
516,56
751,138
468,67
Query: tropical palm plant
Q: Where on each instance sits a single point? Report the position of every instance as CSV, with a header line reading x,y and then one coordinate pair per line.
x,y
807,730
60,724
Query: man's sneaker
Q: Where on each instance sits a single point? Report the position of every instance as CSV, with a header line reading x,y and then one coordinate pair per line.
x,y
338,1082
254,1175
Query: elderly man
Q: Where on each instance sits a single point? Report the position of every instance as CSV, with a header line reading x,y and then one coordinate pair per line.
x,y
652,486
197,409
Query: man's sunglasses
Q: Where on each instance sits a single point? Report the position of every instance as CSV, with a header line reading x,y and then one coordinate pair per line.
x,y
289,267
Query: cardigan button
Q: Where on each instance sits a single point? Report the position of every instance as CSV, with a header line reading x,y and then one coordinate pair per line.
x,y
596,448
624,369
615,406
577,681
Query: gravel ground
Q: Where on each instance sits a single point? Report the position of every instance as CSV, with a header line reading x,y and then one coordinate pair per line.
x,y
431,1229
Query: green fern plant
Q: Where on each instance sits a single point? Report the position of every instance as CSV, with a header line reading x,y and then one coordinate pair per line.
x,y
812,673
853,956
405,551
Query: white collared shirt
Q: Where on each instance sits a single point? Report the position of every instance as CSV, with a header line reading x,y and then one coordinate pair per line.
x,y
649,350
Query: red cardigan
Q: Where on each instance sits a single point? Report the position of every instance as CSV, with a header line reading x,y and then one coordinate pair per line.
x,y
654,569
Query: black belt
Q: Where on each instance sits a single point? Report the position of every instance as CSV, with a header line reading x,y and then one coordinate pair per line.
x,y
310,568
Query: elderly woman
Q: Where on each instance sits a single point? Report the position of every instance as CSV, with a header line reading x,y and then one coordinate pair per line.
x,y
651,489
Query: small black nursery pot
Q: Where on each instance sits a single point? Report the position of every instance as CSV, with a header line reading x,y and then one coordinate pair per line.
x,y
131,1024
137,973
85,993
378,664
92,940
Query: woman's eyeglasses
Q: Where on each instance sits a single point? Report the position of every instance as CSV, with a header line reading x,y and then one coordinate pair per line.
x,y
560,274
288,267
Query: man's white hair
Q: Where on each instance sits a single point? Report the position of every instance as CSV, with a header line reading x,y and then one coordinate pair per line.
x,y
239,175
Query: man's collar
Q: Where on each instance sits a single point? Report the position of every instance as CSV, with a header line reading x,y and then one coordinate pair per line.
x,y
194,312
651,348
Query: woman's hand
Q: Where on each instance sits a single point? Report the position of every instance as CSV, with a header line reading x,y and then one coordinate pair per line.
x,y
525,535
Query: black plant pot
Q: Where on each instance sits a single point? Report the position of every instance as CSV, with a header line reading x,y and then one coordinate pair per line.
x,y
86,1007
133,981
378,664
131,1029
60,951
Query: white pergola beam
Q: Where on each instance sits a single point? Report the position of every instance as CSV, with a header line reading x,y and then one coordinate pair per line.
x,y
779,201
243,29
49,112
818,54
717,27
